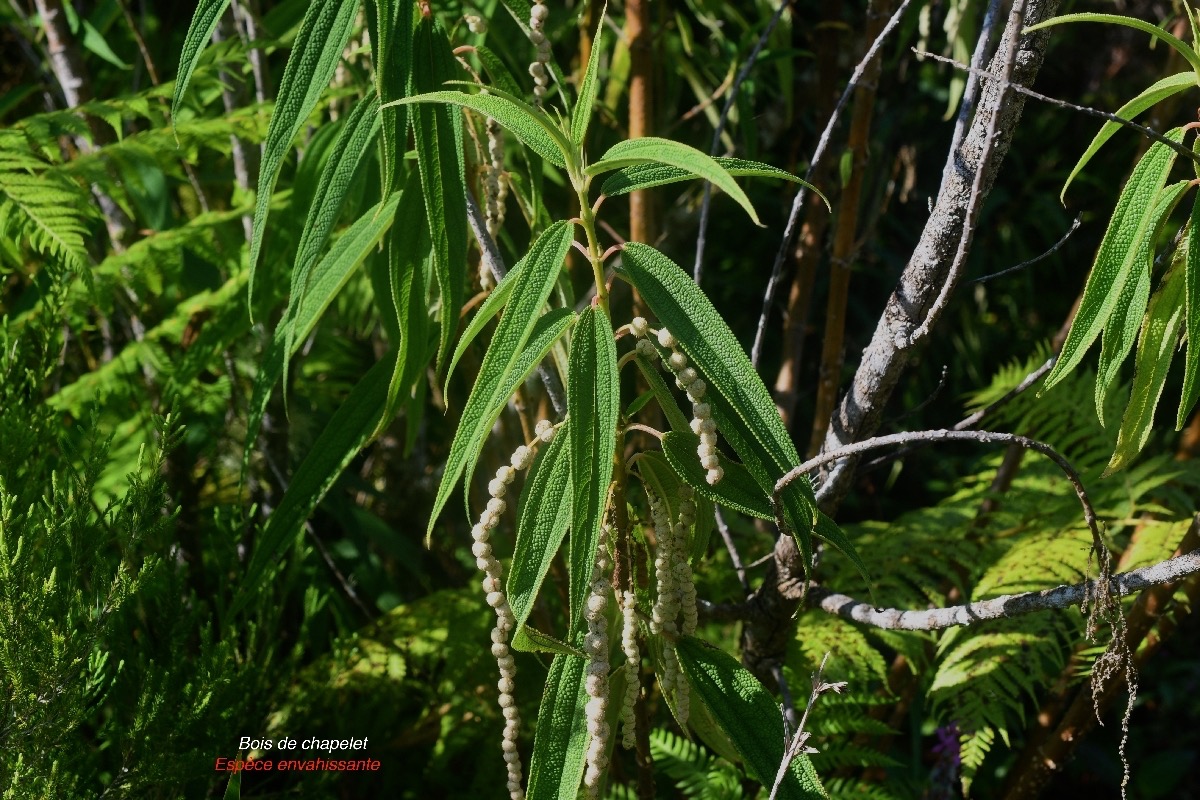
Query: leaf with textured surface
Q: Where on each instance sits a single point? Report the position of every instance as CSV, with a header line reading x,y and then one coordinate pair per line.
x,y
582,114
200,30
561,738
1191,364
653,150
520,316
315,55
1118,252
747,713
391,29
646,176
488,310
737,490
593,400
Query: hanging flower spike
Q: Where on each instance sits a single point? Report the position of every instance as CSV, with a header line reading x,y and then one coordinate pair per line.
x,y
596,647
539,68
633,664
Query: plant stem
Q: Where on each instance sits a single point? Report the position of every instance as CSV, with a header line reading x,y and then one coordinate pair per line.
x,y
588,217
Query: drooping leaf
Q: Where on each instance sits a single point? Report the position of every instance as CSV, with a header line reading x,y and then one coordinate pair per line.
x,y
748,715
497,70
533,287
666,401
200,30
531,127
737,490
487,311
1151,96
528,639
327,278
1120,334
653,150
1156,347
391,28
582,114
315,54
1191,280
437,132
1117,255
347,433
545,516
1175,42
561,738
646,176
593,399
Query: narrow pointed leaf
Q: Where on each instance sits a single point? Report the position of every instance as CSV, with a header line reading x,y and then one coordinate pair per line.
x,y
528,639
561,738
666,401
1151,96
593,398
1117,255
544,262
582,114
392,50
748,715
1175,42
497,71
200,30
347,433
545,516
653,150
531,127
1156,347
646,176
327,279
737,490
1120,334
490,308
315,54
828,530
1191,368
437,132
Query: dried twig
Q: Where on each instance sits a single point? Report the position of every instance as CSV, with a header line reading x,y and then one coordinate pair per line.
x,y
797,743
1074,227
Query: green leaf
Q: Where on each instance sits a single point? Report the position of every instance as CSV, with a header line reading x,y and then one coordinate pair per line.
x,y
1117,255
497,71
741,405
1120,333
747,713
528,639
1182,48
653,150
542,526
666,401
646,176
828,530
561,738
483,405
593,399
1160,334
315,54
346,434
531,127
327,279
489,309
391,29
200,30
353,142
1191,368
582,114
437,131
737,490
1151,96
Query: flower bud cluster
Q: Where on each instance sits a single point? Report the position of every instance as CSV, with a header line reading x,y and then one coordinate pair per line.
x,y
595,644
684,583
495,191
687,379
475,23
493,586
539,69
633,668
676,590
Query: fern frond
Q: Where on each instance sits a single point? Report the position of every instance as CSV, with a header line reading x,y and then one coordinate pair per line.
x,y
697,773
49,212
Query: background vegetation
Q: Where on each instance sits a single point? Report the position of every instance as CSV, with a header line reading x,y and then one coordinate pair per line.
x,y
139,640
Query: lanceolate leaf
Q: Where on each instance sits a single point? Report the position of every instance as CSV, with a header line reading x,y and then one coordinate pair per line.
x,y
391,35
1191,370
561,738
748,715
531,127
1117,255
328,277
528,639
1180,47
666,401
653,150
487,311
1156,347
545,516
200,31
347,432
1120,333
360,130
1152,96
497,71
737,490
646,176
315,54
437,131
593,398
536,279
591,83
